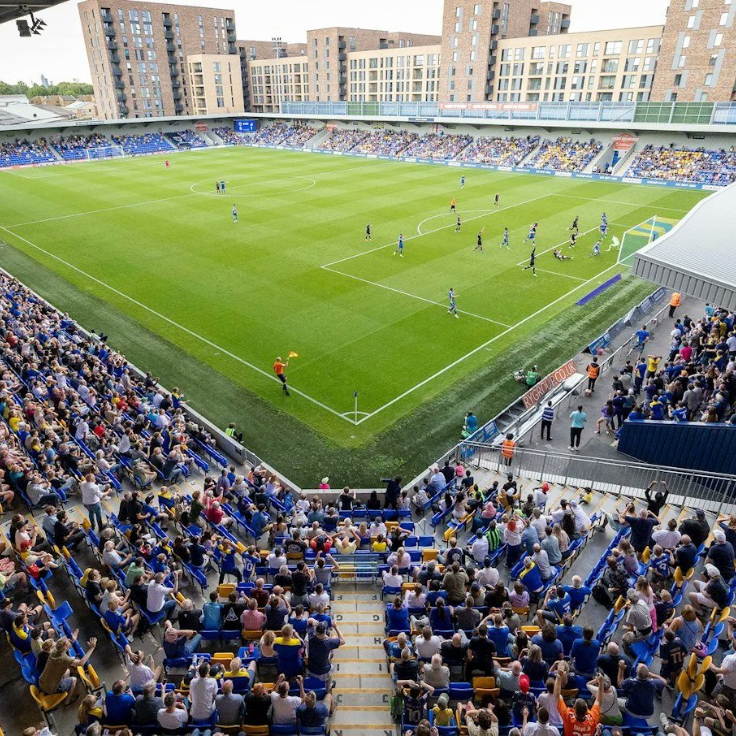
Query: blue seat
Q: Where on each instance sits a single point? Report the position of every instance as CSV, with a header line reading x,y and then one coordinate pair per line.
x,y
461,691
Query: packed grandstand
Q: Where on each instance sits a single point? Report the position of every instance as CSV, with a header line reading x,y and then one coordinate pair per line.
x,y
714,167
488,613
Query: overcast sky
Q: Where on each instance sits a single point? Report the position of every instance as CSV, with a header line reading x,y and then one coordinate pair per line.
x,y
59,52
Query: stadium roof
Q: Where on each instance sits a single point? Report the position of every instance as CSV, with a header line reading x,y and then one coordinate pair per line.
x,y
696,256
12,10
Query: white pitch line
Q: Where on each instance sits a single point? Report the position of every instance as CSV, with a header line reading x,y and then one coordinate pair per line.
x,y
631,204
556,273
436,230
413,296
175,324
483,346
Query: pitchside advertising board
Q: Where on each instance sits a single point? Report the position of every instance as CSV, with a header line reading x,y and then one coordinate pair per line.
x,y
246,126
536,393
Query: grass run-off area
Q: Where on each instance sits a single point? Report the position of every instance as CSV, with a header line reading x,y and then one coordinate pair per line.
x,y
153,258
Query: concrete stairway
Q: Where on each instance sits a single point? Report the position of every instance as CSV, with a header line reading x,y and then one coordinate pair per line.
x,y
363,685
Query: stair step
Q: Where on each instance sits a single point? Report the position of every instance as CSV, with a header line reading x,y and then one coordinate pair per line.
x,y
353,667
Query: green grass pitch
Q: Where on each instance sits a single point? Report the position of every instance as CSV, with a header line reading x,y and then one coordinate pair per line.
x,y
154,258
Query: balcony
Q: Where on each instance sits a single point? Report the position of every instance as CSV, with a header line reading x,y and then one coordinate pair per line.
x,y
495,28
177,95
496,13
230,24
123,110
178,108
109,31
119,84
565,23
534,19
494,45
112,45
167,21
232,37
114,58
116,70
121,98
169,35
533,32
106,17
342,57
175,85
174,71
342,46
171,47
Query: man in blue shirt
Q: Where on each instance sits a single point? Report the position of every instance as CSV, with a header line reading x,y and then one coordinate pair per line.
x,y
584,653
118,704
642,337
641,528
568,633
577,422
212,613
640,691
577,592
557,604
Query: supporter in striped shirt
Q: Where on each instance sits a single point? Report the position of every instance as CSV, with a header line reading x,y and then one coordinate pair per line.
x,y
548,415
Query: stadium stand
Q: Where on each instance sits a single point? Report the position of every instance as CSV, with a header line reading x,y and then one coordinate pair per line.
x,y
344,140
230,137
685,164
186,139
438,147
564,154
76,147
499,589
23,152
137,145
282,134
387,142
499,151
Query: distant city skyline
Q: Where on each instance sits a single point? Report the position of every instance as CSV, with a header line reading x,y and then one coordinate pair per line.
x,y
59,52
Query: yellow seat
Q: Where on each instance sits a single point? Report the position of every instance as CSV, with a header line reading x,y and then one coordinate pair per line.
x,y
684,684
620,603
88,675
705,664
430,554
256,730
531,630
569,693
485,687
47,703
252,635
692,667
724,614
224,590
405,587
645,555
223,658
390,526
521,611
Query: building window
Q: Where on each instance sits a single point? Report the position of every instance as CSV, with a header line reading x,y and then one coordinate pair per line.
x,y
653,45
709,79
565,51
686,42
538,52
476,9
458,11
636,46
582,49
724,19
713,59
691,22
718,39
455,56
681,61
613,47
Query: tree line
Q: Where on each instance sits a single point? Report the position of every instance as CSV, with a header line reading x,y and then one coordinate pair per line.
x,y
75,89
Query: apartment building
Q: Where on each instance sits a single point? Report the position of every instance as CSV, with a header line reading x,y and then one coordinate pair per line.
x,y
215,83
697,61
138,53
408,74
471,32
328,49
617,65
272,81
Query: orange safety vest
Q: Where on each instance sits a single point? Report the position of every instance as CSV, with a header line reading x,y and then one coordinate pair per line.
x,y
675,301
593,370
508,448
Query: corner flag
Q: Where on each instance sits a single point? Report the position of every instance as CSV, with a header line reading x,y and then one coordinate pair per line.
x,y
292,354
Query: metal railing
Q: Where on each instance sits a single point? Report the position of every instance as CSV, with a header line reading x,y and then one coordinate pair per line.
x,y
662,113
711,491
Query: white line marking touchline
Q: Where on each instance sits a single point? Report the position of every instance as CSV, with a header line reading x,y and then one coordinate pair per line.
x,y
556,273
176,324
414,296
484,345
631,204
429,232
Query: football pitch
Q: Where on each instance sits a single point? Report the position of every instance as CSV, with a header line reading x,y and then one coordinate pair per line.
x,y
154,258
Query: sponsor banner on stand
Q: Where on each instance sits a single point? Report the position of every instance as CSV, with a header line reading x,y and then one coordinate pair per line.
x,y
536,393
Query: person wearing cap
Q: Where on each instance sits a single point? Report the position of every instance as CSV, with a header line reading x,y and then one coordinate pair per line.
x,y
697,529
721,555
523,701
540,495
443,714
639,617
711,592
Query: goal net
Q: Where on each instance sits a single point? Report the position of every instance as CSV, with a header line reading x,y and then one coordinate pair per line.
x,y
94,154
635,238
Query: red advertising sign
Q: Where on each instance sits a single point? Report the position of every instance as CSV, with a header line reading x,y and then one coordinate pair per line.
x,y
535,394
624,141
496,106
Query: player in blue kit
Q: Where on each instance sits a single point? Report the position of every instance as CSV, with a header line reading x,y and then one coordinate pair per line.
x,y
532,233
453,303
400,246
222,186
604,229
505,241
596,250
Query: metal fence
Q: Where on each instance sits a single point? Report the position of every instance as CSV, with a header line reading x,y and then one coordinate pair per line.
x,y
710,491
669,113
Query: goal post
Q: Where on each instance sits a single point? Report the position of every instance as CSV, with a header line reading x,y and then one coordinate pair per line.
x,y
641,235
95,154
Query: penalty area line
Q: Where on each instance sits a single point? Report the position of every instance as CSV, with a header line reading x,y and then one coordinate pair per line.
x,y
181,327
484,345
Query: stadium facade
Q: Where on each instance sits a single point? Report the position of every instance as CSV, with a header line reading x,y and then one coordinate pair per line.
x,y
489,52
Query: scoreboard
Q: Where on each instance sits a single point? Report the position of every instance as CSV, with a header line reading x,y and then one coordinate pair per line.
x,y
246,126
